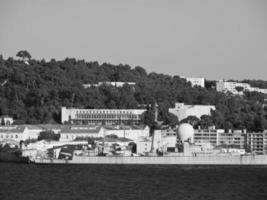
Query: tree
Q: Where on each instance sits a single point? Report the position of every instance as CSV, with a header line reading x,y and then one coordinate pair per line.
x,y
239,89
24,54
48,135
148,118
3,122
193,120
206,121
171,120
112,136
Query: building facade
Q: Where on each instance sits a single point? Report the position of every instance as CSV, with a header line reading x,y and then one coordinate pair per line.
x,y
257,142
232,87
131,132
101,116
196,81
19,132
182,111
218,137
72,132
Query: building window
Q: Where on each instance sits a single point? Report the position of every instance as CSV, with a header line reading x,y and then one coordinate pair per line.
x,y
16,136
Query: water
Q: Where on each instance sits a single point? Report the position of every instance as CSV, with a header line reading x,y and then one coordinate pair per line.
x,y
21,181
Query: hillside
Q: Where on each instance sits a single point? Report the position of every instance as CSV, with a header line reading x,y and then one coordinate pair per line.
x,y
34,92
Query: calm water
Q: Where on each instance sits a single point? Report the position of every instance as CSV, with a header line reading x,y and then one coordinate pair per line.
x,y
21,181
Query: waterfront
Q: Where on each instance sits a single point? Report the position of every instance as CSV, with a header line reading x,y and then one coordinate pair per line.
x,y
21,181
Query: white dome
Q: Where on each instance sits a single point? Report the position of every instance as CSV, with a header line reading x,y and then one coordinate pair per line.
x,y
185,132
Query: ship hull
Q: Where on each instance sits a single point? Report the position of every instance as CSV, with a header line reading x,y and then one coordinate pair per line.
x,y
12,157
179,160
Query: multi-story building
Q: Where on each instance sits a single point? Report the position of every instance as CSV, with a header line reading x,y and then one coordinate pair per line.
x,y
101,116
218,137
196,81
257,142
235,139
205,136
237,87
182,111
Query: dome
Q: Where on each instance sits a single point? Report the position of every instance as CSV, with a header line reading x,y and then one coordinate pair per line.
x,y
185,132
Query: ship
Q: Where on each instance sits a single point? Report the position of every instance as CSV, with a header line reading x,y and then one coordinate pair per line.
x,y
190,154
161,160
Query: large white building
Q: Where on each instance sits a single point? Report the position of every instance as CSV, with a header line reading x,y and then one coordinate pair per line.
x,y
132,132
232,87
101,116
182,111
218,137
19,132
196,81
71,132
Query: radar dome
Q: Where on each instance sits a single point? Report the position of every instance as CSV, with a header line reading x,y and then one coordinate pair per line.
x,y
186,132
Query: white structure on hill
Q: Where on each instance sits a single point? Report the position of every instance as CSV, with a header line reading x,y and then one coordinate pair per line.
x,y
100,116
237,87
182,111
196,81
115,84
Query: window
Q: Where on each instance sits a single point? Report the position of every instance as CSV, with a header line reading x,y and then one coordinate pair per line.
x,y
16,136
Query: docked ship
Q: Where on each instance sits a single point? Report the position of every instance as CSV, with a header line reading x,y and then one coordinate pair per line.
x,y
189,154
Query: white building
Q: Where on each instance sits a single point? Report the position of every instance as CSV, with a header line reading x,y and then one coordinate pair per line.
x,y
19,132
6,120
115,84
143,146
225,86
71,132
196,81
100,116
229,86
131,132
182,111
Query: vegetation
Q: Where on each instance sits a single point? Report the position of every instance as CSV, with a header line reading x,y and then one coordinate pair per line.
x,y
24,55
35,91
256,83
48,135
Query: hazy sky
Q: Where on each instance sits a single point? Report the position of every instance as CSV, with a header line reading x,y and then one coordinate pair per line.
x,y
209,38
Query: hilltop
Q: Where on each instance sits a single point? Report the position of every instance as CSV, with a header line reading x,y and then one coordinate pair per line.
x,y
33,91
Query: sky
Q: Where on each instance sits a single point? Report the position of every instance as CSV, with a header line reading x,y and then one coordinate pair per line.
x,y
214,39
